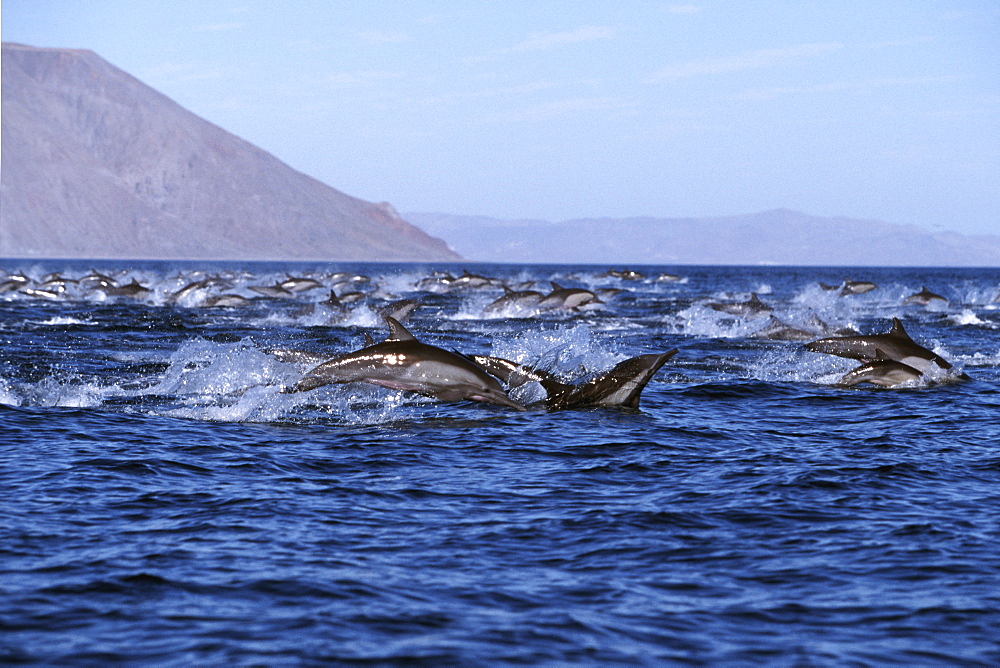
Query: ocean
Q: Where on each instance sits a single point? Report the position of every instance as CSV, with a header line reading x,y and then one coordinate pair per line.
x,y
167,503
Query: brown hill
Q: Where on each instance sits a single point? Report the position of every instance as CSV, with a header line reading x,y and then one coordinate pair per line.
x,y
98,165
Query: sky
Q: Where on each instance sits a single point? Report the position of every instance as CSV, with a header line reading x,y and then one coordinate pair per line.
x,y
552,110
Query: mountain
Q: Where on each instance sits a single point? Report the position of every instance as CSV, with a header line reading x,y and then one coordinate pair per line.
x,y
98,165
773,237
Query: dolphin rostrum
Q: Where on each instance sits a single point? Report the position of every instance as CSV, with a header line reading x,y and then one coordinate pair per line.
x,y
401,362
621,386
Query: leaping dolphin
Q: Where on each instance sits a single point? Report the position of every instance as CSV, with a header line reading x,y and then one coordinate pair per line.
x,y
514,300
895,345
889,359
621,386
924,297
567,298
401,362
751,308
883,372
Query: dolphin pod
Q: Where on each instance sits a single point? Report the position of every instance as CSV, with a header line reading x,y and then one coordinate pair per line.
x,y
401,361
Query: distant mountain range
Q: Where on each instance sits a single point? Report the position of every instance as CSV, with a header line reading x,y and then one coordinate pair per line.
x,y
95,164
98,165
780,237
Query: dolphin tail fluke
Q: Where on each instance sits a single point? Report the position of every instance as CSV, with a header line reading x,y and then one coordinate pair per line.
x,y
622,385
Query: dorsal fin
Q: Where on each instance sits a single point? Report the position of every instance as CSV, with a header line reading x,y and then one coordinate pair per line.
x,y
897,329
397,332
556,286
369,341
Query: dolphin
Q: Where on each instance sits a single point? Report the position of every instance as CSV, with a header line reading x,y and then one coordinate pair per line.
x,y
882,372
225,301
203,284
777,330
401,362
351,297
401,309
349,276
57,283
621,386
96,280
275,291
924,297
467,280
751,308
567,298
133,290
851,287
516,300
439,282
299,283
623,274
14,283
896,345
42,294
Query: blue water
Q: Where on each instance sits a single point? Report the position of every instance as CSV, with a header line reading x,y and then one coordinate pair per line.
x,y
165,504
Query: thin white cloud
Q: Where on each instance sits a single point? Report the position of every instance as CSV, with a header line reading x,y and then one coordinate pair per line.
x,y
542,41
384,36
306,46
748,60
839,86
219,27
361,78
490,92
549,110
683,9
895,43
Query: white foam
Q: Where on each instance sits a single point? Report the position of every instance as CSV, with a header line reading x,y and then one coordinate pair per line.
x,y
568,351
68,392
968,317
792,364
61,321
201,367
8,396
701,320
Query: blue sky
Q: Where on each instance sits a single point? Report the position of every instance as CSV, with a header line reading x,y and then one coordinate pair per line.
x,y
558,110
